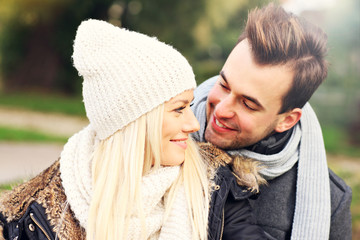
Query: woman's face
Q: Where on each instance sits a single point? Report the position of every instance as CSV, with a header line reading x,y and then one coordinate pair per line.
x,y
178,122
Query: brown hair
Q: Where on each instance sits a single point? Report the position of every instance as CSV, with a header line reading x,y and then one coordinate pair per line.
x,y
277,37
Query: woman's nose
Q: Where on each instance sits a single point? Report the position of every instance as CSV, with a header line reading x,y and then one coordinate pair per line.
x,y
191,123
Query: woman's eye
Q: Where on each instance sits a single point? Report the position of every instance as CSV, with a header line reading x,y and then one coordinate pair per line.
x,y
180,109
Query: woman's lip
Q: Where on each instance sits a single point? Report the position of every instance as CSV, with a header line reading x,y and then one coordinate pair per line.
x,y
180,142
219,126
179,139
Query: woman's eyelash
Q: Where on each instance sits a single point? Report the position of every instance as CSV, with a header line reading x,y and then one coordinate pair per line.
x,y
179,110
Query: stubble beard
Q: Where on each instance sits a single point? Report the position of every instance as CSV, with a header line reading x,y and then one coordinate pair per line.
x,y
237,142
222,143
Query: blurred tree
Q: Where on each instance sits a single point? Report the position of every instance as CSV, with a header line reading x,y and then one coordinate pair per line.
x,y
217,31
337,101
36,42
36,36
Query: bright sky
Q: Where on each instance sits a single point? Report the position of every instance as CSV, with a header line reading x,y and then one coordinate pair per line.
x,y
297,6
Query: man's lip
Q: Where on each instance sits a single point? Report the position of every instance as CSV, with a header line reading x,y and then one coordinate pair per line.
x,y
219,126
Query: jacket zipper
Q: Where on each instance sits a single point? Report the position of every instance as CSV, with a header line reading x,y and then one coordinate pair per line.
x,y
37,224
222,223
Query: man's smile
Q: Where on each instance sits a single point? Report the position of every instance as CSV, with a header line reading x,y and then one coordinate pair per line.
x,y
219,126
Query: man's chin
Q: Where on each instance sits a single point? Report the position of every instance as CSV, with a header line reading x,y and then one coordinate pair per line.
x,y
220,142
223,143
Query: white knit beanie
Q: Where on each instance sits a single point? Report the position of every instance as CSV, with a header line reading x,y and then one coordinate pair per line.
x,y
126,74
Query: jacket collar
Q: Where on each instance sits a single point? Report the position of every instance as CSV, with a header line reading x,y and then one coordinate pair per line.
x,y
272,144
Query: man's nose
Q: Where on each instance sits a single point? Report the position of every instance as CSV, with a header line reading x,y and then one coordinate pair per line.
x,y
225,107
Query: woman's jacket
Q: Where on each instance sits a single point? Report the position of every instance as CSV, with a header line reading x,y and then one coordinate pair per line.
x,y
38,209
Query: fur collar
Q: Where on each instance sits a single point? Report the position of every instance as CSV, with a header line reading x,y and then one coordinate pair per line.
x,y
47,190
245,170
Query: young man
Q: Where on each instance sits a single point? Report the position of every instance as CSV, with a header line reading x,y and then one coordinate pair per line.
x,y
257,107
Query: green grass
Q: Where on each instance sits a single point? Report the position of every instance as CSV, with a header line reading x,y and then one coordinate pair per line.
x,y
44,103
4,187
352,178
336,142
9,186
24,135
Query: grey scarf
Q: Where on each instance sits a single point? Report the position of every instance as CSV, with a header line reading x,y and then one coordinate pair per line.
x,y
306,146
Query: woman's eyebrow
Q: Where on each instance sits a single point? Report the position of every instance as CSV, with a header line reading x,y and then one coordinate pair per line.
x,y
185,101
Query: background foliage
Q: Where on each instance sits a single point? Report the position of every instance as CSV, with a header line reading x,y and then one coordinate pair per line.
x,y
36,44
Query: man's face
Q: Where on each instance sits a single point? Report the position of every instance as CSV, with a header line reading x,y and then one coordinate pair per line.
x,y
243,105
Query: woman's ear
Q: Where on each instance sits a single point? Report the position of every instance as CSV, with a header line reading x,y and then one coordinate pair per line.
x,y
288,120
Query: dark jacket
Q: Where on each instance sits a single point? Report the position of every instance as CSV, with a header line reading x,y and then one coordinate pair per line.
x,y
32,225
230,215
233,220
274,208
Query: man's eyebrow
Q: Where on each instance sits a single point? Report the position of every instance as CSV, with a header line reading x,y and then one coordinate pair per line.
x,y
222,74
254,100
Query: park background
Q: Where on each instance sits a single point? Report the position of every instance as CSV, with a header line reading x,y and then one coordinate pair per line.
x,y
37,76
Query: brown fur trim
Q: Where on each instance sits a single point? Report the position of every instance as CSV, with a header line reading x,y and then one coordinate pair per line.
x,y
47,190
245,170
13,204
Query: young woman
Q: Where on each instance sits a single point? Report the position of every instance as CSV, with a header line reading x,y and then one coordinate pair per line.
x,y
133,172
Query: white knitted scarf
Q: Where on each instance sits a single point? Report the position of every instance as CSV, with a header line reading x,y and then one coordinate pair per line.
x,y
313,205
75,168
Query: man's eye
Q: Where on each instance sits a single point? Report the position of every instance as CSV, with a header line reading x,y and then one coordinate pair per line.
x,y
223,86
247,105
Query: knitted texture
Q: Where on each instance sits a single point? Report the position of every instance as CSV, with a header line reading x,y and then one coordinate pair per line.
x,y
126,74
306,146
75,169
154,188
177,225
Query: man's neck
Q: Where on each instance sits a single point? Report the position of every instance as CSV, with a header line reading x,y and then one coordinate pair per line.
x,y
272,144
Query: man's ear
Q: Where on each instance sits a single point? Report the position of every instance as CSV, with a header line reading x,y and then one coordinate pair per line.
x,y
288,120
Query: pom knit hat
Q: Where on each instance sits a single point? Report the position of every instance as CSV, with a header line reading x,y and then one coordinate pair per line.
x,y
125,74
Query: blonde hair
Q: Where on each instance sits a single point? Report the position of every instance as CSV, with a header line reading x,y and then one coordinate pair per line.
x,y
120,162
